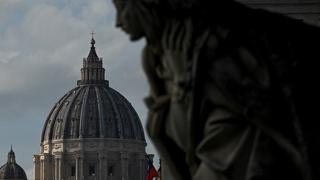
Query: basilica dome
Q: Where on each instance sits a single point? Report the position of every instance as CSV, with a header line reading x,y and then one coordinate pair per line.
x,y
92,132
92,109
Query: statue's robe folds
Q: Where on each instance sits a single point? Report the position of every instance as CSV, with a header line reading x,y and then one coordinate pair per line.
x,y
241,103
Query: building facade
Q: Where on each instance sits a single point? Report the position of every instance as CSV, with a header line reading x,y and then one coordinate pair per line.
x,y
92,132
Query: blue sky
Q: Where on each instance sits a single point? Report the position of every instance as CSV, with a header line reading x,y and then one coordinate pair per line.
x,y
42,43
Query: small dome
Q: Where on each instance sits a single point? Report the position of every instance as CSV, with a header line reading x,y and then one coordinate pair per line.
x,y
11,170
92,109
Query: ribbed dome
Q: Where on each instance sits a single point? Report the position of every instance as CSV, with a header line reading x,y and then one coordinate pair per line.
x,y
11,170
93,109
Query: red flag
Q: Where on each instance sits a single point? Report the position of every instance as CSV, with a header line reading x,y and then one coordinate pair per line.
x,y
151,171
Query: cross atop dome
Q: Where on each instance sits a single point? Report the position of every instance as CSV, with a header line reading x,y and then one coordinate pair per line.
x,y
92,34
92,39
92,54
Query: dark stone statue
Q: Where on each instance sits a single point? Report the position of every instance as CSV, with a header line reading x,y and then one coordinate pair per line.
x,y
234,91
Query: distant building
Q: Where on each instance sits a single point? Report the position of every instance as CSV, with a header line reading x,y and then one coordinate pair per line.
x,y
11,170
92,133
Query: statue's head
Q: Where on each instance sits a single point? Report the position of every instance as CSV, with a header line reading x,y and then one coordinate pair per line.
x,y
147,18
128,18
143,18
138,18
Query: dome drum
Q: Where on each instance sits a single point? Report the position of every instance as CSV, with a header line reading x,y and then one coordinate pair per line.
x,y
115,165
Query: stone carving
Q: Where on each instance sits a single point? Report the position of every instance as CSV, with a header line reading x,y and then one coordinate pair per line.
x,y
77,155
92,145
46,148
42,157
57,148
73,145
229,88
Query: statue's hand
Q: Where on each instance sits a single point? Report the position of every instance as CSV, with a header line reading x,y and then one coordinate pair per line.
x,y
181,50
176,44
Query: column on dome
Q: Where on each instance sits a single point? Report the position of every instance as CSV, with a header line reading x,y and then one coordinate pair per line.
x,y
124,165
36,167
77,168
89,74
86,74
56,169
60,169
102,166
100,71
80,157
142,166
94,74
41,169
45,167
77,159
81,167
82,70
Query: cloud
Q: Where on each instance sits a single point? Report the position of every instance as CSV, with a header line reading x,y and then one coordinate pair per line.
x,y
96,9
49,39
6,57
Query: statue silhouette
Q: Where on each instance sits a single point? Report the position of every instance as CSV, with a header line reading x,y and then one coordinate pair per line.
x,y
233,89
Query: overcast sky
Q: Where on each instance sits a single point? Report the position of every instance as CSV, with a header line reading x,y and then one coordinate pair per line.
x,y
42,44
